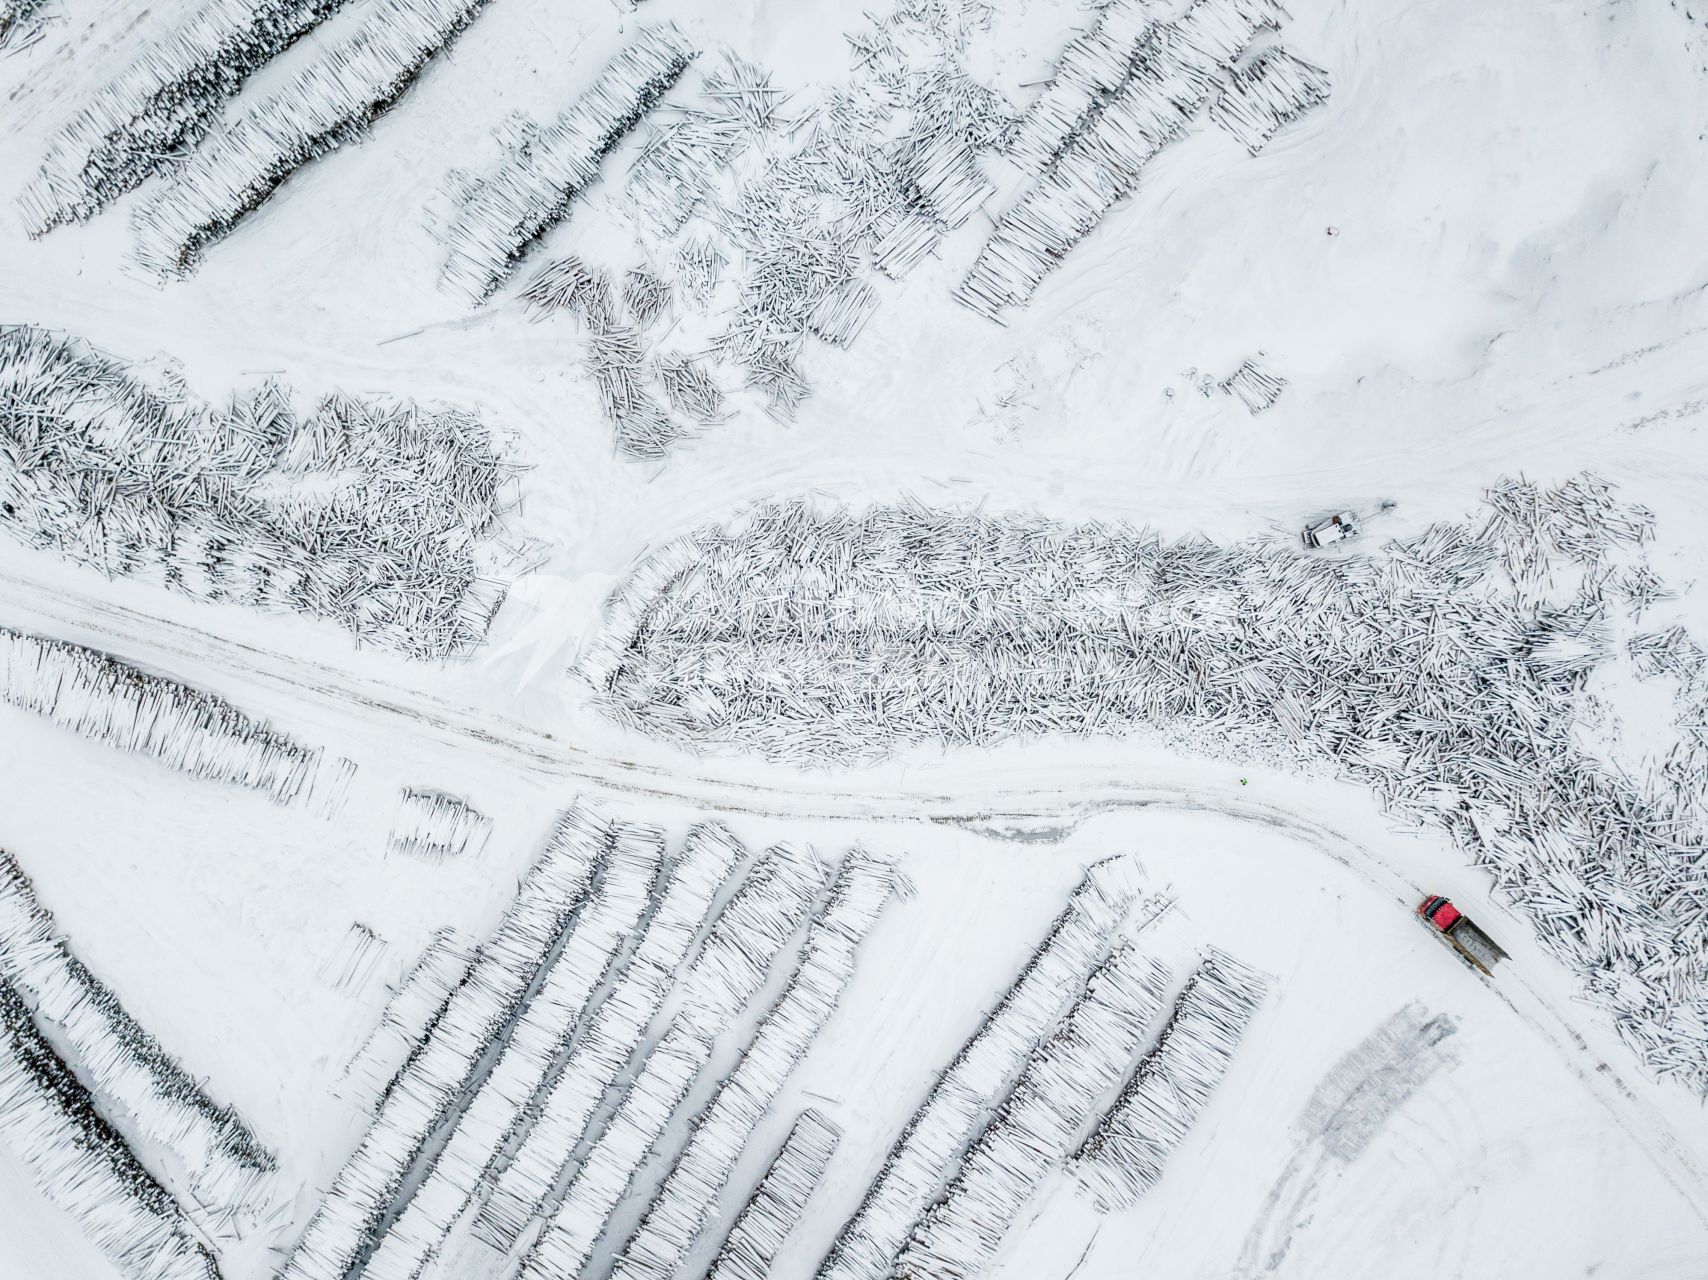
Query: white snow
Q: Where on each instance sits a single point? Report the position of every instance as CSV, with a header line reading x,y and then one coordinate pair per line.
x,y
1481,256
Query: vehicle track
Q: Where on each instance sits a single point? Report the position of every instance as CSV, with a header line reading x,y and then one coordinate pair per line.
x,y
987,796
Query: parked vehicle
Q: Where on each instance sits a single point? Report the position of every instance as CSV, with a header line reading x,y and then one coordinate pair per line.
x,y
1337,528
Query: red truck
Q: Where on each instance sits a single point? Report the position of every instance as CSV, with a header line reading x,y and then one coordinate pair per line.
x,y
1473,945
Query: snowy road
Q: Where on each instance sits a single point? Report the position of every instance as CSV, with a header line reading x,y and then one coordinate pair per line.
x,y
1035,803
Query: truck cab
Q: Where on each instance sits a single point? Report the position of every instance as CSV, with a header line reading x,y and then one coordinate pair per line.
x,y
1440,912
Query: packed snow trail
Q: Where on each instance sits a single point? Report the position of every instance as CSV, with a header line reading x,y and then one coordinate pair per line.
x,y
988,796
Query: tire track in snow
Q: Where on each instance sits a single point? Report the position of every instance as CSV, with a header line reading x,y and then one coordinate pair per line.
x,y
988,797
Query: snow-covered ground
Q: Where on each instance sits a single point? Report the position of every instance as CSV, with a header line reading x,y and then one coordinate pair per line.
x,y
213,919
1481,257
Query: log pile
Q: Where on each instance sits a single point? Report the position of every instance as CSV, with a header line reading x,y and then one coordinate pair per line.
x,y
355,960
646,296
621,899
887,164
187,729
14,14
1133,89
1255,386
506,211
768,900
1667,653
141,1087
79,1162
869,177
726,976
1124,1156
433,826
684,1205
447,1063
777,1203
936,1140
1269,91
372,515
166,100
332,102
691,388
614,352
680,163
960,1235
418,999
1089,71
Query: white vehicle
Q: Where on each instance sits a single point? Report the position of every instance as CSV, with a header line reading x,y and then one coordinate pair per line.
x,y
1337,528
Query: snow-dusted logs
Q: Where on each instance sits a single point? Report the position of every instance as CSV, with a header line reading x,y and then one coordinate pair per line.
x,y
369,514
646,296
1171,76
167,98
1641,588
936,1139
569,284
709,861
692,390
616,357
842,313
50,1123
880,167
940,177
906,242
537,1044
679,164
1266,93
14,13
960,1234
183,728
1123,1157
537,182
725,977
686,1202
699,270
1089,70
142,1087
355,960
1256,387
778,1201
353,79
614,351
1667,653
411,1010
435,826
447,1063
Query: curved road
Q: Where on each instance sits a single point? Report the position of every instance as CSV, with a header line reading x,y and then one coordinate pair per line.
x,y
984,803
